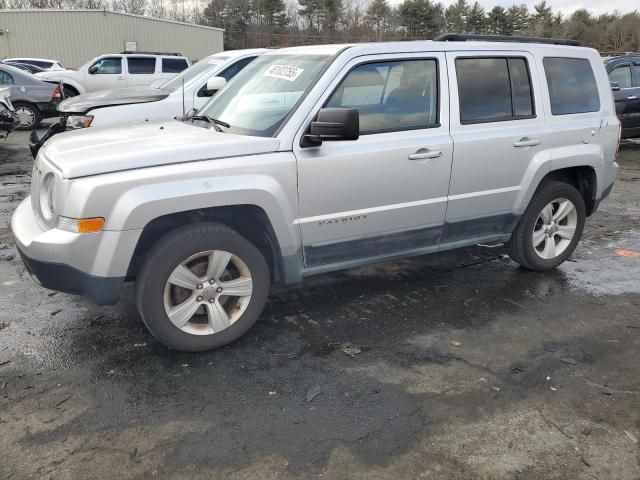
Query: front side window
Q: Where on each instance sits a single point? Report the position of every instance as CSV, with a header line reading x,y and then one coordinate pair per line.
x,y
494,89
621,76
572,85
391,96
141,65
5,78
194,74
264,93
108,66
173,65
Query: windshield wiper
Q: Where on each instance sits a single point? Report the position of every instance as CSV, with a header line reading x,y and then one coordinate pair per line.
x,y
213,121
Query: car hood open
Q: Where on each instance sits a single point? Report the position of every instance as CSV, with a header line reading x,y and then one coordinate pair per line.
x,y
106,98
98,150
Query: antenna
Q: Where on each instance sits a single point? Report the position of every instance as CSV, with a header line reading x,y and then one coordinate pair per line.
x,y
184,114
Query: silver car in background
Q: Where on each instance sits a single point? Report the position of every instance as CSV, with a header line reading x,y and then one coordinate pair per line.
x,y
32,98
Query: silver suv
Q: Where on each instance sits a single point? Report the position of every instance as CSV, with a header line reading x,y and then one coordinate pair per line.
x,y
320,158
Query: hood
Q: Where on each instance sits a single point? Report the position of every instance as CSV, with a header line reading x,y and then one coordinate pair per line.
x,y
54,74
107,98
93,151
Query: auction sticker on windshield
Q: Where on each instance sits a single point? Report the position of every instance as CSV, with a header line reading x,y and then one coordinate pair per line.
x,y
283,72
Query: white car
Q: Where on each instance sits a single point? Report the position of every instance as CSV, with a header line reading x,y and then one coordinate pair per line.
x,y
44,63
190,90
118,71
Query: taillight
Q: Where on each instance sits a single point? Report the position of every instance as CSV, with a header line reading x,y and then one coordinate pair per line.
x,y
57,94
619,138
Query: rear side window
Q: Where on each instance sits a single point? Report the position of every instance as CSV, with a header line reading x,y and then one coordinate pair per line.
x,y
391,96
572,85
494,89
621,76
37,63
234,69
141,65
173,65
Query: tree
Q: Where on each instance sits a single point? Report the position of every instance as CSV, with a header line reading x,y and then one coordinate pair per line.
x,y
518,18
311,11
421,18
378,17
542,20
455,17
497,22
476,19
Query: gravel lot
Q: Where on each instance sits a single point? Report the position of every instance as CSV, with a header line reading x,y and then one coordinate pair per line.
x,y
469,368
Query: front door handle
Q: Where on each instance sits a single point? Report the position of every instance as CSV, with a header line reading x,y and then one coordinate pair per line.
x,y
632,97
527,142
424,154
120,78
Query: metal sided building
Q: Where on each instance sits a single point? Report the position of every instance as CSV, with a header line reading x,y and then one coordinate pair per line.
x,y
76,36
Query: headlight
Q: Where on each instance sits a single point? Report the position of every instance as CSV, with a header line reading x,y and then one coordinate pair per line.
x,y
79,121
47,196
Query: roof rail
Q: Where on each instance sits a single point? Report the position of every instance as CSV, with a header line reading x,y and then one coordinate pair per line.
x,y
463,37
133,52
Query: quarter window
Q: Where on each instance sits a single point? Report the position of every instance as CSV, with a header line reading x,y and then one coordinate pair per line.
x,y
621,76
572,85
108,66
141,65
494,89
5,78
173,65
391,96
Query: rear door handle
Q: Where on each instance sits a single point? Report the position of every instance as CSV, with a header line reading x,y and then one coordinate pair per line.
x,y
120,78
424,154
632,97
527,142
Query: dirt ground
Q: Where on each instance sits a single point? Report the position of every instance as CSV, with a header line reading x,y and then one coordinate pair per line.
x,y
470,368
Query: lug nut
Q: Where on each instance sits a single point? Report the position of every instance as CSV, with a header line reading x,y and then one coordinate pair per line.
x,y
211,300
199,299
219,289
212,281
199,286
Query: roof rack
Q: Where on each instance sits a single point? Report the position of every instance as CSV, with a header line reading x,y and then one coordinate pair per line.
x,y
133,52
463,37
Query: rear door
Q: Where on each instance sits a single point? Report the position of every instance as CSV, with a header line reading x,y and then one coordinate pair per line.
x,y
141,70
384,193
498,129
627,97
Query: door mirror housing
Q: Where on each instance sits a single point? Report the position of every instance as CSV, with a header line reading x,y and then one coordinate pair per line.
x,y
215,83
93,69
615,86
333,124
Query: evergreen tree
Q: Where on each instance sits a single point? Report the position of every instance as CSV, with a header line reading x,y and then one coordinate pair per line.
x,y
378,17
476,19
455,17
497,22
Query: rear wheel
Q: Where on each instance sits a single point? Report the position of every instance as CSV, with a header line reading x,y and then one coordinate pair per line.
x,y
201,287
28,116
550,228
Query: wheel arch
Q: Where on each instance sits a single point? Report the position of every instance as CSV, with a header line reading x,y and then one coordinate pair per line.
x,y
249,220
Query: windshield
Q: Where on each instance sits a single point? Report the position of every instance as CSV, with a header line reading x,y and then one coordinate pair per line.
x,y
260,97
193,73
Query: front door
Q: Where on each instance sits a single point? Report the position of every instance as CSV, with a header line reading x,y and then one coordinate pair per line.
x,y
105,74
385,193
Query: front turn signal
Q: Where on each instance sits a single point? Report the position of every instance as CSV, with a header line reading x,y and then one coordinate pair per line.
x,y
81,225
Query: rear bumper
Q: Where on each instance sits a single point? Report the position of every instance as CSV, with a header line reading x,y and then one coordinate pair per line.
x,y
64,278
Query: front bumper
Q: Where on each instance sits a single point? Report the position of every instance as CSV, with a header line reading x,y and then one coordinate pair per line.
x,y
93,264
64,278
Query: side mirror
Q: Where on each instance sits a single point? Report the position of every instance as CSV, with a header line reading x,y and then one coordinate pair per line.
x,y
215,83
615,86
333,124
93,69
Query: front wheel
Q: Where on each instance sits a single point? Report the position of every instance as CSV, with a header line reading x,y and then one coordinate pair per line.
x,y
550,228
201,287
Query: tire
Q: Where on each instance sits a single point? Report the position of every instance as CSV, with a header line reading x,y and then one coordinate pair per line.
x,y
190,247
555,246
27,110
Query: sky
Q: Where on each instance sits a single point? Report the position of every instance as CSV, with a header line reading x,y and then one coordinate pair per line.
x,y
565,6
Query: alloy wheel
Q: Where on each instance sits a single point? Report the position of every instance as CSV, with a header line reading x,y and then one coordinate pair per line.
x,y
554,228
